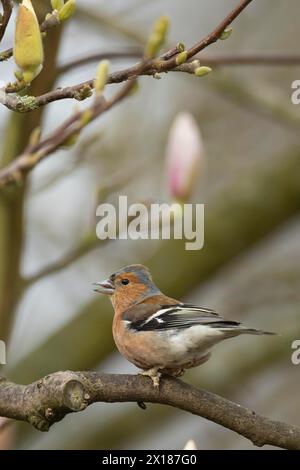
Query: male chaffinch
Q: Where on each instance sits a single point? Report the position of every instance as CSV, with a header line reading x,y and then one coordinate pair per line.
x,y
157,333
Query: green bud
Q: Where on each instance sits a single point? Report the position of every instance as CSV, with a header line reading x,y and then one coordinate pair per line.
x,y
157,76
35,136
57,4
83,93
67,10
201,71
161,26
181,58
70,141
28,47
157,37
225,34
86,117
181,47
101,76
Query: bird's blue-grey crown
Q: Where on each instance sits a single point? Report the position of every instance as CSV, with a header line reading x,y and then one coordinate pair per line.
x,y
142,274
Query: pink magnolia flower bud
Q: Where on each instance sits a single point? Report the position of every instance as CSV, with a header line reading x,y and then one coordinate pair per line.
x,y
184,155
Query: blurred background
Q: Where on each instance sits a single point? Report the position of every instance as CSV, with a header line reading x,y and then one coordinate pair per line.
x,y
249,269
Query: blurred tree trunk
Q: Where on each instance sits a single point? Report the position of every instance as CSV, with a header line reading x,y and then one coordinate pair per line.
x,y
19,128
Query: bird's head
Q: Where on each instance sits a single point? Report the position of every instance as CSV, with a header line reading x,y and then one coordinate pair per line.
x,y
128,286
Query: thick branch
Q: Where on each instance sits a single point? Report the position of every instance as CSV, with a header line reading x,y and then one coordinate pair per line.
x,y
48,400
7,11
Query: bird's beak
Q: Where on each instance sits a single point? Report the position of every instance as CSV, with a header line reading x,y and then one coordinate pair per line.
x,y
105,287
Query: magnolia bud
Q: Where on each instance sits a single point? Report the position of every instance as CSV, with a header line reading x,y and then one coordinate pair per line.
x,y
67,10
28,48
184,155
181,57
157,37
57,4
101,76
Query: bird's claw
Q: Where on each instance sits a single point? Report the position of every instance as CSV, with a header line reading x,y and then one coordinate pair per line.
x,y
154,375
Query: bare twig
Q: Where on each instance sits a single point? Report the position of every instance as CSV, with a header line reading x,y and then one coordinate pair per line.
x,y
210,38
7,11
48,400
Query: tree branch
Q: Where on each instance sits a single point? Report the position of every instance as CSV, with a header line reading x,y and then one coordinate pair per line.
x,y
33,154
164,63
48,400
71,127
7,11
208,59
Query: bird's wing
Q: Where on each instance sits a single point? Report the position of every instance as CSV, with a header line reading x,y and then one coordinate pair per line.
x,y
164,317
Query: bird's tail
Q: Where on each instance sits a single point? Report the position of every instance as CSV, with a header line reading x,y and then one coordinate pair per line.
x,y
253,331
239,330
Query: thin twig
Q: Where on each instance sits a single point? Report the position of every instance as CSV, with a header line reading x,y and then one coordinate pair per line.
x,y
48,400
210,38
207,59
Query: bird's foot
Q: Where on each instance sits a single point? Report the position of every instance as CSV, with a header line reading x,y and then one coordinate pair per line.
x,y
178,373
154,375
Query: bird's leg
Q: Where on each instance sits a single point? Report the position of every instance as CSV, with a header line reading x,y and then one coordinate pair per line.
x,y
154,374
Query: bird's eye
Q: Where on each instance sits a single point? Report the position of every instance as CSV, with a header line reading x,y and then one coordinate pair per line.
x,y
125,282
